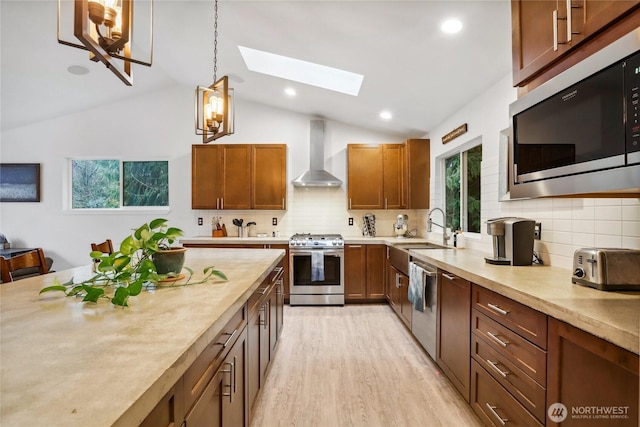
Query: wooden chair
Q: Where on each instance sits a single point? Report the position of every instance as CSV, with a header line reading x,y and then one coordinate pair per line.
x,y
34,259
105,247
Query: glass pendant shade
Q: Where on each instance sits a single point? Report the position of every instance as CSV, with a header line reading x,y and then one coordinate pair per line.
x,y
106,29
214,110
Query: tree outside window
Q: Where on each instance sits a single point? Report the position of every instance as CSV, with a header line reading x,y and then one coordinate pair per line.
x,y
112,184
462,190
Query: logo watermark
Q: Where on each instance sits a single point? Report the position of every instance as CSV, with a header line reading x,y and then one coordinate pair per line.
x,y
557,412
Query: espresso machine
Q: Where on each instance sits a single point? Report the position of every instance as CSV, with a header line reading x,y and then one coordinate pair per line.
x,y
512,240
401,226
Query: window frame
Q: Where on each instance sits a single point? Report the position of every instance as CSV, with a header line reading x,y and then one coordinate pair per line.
x,y
67,198
475,142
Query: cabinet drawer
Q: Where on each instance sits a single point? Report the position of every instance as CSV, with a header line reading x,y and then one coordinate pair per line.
x,y
528,392
526,356
521,319
493,404
202,370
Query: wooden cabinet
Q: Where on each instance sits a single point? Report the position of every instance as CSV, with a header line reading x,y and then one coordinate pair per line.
x,y
559,33
587,373
388,176
364,272
223,402
265,321
398,284
269,176
454,331
169,412
238,176
508,345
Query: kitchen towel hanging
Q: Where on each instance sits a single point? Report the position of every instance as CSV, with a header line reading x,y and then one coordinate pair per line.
x,y
417,276
317,266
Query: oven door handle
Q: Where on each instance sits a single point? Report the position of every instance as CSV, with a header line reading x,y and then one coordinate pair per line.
x,y
324,251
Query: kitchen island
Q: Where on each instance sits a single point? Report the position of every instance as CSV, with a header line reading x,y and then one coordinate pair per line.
x,y
68,363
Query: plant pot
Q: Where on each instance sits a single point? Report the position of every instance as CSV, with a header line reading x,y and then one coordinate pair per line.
x,y
169,261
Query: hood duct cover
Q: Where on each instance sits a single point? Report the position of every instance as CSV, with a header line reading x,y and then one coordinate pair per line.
x,y
316,176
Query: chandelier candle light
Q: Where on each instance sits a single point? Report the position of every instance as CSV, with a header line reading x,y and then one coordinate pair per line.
x,y
214,104
105,29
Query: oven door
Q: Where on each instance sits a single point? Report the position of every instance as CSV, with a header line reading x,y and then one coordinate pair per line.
x,y
301,282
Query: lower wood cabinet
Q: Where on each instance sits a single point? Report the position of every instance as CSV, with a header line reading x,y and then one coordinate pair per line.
x,y
220,386
596,381
364,274
454,330
398,294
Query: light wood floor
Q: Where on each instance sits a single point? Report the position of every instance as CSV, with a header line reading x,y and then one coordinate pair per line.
x,y
355,365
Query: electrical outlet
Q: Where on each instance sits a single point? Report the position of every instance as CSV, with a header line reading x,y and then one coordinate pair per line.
x,y
274,221
351,221
537,231
199,220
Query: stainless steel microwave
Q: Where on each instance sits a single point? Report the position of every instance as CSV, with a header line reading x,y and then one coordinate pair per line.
x,y
579,132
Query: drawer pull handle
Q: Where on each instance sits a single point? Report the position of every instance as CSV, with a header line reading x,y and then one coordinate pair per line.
x,y
492,409
494,365
498,309
498,340
229,371
226,343
448,276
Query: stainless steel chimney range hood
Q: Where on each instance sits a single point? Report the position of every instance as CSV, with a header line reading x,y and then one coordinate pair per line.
x,y
316,176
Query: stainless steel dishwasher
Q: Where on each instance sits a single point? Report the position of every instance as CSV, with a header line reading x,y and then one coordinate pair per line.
x,y
423,323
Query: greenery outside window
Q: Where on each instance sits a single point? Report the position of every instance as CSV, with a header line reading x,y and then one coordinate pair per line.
x,y
114,184
462,190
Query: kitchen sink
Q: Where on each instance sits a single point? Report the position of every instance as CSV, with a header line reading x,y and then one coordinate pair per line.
x,y
399,254
408,246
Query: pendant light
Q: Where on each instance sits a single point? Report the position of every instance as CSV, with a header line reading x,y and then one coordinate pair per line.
x,y
106,28
214,104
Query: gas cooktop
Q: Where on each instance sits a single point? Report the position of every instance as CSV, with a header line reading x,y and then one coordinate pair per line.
x,y
316,240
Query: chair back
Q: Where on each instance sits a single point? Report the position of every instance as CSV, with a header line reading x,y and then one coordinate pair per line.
x,y
105,247
31,259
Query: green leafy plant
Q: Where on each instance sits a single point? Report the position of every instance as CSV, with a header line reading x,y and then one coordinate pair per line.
x,y
127,271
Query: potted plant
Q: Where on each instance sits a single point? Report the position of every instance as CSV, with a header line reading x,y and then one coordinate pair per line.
x,y
145,258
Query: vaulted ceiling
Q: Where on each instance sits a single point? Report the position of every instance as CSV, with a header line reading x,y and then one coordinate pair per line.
x,y
410,67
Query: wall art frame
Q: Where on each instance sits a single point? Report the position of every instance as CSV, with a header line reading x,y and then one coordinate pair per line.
x,y
19,182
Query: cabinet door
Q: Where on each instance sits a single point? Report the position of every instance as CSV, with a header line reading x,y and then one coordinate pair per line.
x,y
355,273
265,345
234,405
376,260
533,23
393,176
403,296
207,411
454,330
587,372
204,183
590,16
269,176
273,324
235,176
169,411
253,358
393,283
418,160
364,176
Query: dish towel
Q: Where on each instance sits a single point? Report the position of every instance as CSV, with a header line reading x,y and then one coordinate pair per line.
x,y
317,266
416,286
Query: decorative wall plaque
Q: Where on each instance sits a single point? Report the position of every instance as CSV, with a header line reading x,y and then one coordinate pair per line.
x,y
454,133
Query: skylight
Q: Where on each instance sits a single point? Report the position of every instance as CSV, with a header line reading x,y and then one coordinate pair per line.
x,y
301,71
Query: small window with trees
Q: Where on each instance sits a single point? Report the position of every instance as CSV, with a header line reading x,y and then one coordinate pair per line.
x,y
462,190
117,184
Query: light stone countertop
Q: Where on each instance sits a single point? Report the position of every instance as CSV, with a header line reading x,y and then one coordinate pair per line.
x,y
613,316
68,363
284,240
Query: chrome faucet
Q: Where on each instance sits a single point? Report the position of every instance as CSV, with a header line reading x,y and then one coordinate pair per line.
x,y
430,224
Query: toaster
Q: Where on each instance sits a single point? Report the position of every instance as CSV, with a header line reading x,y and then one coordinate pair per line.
x,y
607,269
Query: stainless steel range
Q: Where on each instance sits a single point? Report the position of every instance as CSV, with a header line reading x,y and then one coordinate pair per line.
x,y
316,269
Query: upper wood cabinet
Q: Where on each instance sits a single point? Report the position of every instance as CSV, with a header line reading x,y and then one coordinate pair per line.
x,y
388,176
549,36
269,176
238,176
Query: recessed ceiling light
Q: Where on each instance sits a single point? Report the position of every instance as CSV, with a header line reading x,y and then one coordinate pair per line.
x,y
78,70
301,71
290,91
386,115
451,26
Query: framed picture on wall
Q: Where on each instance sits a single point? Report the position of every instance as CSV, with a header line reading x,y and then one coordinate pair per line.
x,y
19,182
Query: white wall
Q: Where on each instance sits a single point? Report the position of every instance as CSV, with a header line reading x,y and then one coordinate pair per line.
x,y
567,223
160,126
